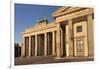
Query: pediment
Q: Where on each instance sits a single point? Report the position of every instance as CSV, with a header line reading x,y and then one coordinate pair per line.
x,y
64,10
61,9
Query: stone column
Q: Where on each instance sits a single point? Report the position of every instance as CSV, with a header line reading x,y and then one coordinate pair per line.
x,y
67,44
53,43
90,35
35,45
70,39
23,48
61,41
29,46
38,49
58,41
45,44
48,44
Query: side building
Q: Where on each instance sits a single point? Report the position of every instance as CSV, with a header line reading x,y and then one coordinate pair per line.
x,y
17,49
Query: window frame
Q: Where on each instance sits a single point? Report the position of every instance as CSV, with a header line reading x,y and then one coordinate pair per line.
x,y
79,28
80,46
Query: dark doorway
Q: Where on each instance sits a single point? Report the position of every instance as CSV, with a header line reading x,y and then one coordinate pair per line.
x,y
32,45
49,43
63,39
26,46
40,44
17,51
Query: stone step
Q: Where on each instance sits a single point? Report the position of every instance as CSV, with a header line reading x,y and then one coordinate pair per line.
x,y
50,59
31,60
65,59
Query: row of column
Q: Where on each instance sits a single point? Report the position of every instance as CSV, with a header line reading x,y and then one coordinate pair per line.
x,y
27,45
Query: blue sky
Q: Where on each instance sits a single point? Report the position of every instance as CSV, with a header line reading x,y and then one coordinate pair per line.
x,y
26,15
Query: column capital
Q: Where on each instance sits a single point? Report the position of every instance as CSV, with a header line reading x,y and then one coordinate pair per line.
x,y
89,16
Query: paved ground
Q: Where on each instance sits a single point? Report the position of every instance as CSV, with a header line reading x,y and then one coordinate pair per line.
x,y
49,59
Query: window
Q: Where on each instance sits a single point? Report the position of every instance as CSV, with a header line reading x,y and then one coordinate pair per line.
x,y
79,28
80,45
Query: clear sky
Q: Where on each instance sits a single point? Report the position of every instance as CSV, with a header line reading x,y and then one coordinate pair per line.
x,y
26,15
